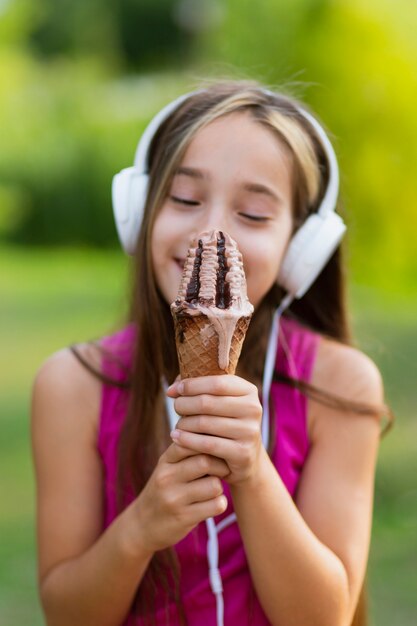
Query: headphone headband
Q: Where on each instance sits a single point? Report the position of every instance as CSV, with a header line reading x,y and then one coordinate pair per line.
x,y
142,150
308,251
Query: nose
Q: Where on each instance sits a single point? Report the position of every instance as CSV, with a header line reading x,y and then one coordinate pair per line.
x,y
215,217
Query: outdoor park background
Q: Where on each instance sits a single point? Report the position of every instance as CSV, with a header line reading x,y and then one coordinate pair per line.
x,y
78,82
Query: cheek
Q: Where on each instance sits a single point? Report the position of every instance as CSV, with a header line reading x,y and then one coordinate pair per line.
x,y
262,265
267,255
160,237
262,269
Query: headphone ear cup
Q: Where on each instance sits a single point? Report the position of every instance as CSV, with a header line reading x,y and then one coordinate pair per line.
x,y
129,193
309,250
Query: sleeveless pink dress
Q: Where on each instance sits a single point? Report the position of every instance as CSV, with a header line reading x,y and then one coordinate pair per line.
x,y
295,357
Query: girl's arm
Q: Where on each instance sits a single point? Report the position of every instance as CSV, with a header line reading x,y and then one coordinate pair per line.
x,y
307,561
87,577
84,578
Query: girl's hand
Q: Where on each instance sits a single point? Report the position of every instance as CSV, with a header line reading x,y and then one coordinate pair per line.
x,y
183,490
221,416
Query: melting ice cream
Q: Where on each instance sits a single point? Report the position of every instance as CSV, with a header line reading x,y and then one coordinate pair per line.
x,y
212,311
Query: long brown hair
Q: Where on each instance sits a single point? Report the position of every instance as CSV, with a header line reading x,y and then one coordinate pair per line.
x,y
145,432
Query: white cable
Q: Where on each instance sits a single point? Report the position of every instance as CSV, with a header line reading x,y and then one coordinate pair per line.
x,y
270,358
213,542
213,530
169,405
214,572
226,522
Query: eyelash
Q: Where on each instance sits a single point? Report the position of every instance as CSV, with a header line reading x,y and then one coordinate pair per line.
x,y
253,218
187,202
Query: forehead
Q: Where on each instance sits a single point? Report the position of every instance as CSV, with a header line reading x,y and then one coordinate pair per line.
x,y
238,143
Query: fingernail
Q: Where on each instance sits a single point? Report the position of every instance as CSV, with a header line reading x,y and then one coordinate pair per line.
x,y
180,387
175,435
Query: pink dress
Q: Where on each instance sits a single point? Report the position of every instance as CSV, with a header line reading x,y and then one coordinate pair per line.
x,y
295,357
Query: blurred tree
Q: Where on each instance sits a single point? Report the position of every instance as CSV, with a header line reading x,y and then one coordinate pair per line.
x,y
142,33
149,34
16,22
72,27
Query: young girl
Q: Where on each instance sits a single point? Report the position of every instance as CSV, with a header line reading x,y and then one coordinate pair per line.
x,y
194,504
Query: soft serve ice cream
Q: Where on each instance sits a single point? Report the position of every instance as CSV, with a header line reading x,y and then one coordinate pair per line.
x,y
212,311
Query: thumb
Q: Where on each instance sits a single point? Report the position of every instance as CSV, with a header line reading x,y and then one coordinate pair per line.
x,y
172,391
175,453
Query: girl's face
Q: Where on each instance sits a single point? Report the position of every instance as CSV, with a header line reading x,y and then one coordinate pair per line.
x,y
236,177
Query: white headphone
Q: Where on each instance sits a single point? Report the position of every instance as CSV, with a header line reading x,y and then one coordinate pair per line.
x,y
309,249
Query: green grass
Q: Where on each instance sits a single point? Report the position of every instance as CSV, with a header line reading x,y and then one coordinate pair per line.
x,y
385,324
51,298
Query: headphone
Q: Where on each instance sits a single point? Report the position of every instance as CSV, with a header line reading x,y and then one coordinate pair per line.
x,y
307,252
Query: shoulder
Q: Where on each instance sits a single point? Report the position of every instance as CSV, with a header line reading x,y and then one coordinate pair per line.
x,y
346,371
68,469
348,374
62,372
65,393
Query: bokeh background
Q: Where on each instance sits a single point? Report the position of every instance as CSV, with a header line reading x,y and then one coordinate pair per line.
x,y
78,82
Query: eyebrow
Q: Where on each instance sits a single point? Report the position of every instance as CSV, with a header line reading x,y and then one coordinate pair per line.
x,y
263,189
247,186
190,171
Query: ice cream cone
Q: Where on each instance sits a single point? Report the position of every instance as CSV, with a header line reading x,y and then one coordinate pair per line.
x,y
198,346
212,312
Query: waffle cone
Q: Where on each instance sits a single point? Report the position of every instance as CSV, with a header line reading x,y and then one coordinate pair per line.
x,y
198,345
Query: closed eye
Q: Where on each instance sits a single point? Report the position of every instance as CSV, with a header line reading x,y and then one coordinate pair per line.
x,y
254,218
185,201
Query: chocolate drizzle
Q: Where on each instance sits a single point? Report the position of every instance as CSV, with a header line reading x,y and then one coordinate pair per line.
x,y
193,287
222,287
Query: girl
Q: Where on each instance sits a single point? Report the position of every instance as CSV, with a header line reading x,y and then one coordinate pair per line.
x,y
232,513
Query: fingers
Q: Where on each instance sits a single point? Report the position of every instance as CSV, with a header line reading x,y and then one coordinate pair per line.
x,y
192,464
210,508
226,395
227,427
222,385
200,465
205,404
208,444
202,489
175,453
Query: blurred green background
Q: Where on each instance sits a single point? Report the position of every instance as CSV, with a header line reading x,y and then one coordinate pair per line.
x,y
78,82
